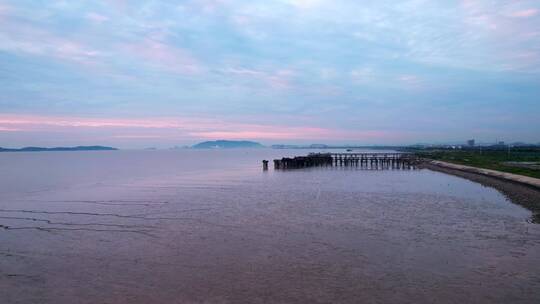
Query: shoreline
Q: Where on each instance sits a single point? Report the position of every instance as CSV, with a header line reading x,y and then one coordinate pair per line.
x,y
516,178
516,190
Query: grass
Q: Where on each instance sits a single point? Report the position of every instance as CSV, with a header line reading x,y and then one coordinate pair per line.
x,y
487,159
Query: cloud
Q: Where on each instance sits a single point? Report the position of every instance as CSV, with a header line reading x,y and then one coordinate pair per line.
x,y
21,38
185,127
4,10
7,129
525,13
280,79
305,4
33,121
411,81
362,75
500,30
284,58
164,56
96,18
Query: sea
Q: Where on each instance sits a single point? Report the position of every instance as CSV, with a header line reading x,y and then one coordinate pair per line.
x,y
210,226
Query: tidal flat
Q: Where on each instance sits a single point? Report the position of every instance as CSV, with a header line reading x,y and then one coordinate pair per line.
x,y
211,227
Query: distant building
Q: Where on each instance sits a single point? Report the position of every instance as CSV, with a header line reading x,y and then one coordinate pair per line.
x,y
501,143
470,142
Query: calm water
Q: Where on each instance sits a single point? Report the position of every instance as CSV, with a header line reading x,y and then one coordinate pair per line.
x,y
211,227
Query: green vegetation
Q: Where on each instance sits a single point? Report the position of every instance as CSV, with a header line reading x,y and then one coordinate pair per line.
x,y
517,161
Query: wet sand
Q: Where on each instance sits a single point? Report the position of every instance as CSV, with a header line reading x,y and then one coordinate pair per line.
x,y
518,193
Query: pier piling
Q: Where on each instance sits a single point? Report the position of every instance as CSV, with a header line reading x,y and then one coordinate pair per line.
x,y
365,161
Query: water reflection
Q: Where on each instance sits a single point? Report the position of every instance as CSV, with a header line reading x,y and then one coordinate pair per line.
x,y
211,226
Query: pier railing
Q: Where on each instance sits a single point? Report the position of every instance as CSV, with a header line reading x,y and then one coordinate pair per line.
x,y
368,161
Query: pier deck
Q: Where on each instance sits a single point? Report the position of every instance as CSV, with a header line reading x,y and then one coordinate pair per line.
x,y
367,161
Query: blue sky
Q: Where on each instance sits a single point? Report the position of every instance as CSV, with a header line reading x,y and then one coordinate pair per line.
x,y
163,73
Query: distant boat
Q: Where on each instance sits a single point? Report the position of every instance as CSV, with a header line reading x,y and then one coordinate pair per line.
x,y
349,150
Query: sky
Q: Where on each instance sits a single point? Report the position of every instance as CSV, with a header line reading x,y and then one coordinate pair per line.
x,y
135,74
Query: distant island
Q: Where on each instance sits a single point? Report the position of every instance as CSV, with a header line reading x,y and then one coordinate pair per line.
x,y
227,144
41,149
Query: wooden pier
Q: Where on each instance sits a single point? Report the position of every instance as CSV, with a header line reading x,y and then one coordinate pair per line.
x,y
366,161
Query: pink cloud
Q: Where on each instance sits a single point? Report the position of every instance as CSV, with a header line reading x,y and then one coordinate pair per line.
x,y
176,128
277,79
239,131
305,4
30,122
7,129
96,18
4,9
209,6
74,51
265,132
164,56
525,13
500,28
28,39
121,5
270,134
479,15
244,72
